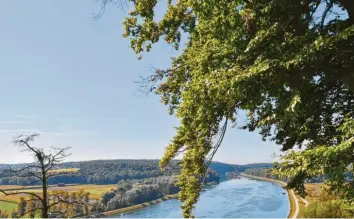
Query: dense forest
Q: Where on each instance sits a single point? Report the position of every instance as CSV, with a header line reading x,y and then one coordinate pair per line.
x,y
113,171
134,192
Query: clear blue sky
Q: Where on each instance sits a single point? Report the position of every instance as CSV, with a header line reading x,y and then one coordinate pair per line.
x,y
71,78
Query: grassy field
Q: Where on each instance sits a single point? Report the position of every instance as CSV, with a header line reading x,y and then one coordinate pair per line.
x,y
94,190
5,187
66,170
8,206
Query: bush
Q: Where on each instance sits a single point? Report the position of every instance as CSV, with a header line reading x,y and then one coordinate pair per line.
x,y
327,209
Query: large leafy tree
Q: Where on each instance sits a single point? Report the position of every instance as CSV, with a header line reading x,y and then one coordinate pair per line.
x,y
288,63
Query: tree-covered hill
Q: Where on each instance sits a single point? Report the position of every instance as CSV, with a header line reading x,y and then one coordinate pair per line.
x,y
113,171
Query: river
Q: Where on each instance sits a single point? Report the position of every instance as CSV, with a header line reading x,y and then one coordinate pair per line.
x,y
239,198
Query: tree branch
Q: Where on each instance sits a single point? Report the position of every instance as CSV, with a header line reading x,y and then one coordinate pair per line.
x,y
18,193
324,15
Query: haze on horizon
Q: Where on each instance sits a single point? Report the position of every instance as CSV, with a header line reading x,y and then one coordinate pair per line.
x,y
71,78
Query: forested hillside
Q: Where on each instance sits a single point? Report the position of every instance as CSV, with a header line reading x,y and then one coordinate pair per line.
x,y
113,171
265,172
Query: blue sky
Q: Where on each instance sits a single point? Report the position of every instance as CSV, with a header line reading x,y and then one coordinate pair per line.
x,y
71,77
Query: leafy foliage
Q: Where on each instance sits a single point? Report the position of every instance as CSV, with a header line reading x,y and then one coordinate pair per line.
x,y
334,161
288,63
328,206
327,209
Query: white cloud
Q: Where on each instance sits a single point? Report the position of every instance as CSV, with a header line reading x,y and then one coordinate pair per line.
x,y
26,117
19,131
7,122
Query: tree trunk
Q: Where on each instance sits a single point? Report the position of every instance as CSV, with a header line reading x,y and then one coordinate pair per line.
x,y
44,190
45,198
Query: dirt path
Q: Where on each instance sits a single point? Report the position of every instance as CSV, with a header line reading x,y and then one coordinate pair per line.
x,y
306,202
297,209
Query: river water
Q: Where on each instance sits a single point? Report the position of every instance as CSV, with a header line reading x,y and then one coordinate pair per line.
x,y
239,198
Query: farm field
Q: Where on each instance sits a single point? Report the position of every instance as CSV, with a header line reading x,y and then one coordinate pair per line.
x,y
66,170
8,206
5,187
15,187
94,190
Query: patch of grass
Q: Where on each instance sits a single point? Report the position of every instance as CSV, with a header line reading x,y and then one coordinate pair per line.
x,y
65,170
5,187
301,208
94,190
8,206
11,198
313,190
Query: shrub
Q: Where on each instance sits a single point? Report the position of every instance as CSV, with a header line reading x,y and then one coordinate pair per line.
x,y
327,209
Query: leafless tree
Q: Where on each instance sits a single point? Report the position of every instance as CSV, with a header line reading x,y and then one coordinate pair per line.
x,y
45,166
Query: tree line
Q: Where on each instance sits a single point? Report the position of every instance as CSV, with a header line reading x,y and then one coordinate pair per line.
x,y
113,171
269,173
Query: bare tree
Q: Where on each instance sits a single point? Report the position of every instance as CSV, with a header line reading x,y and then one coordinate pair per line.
x,y
45,166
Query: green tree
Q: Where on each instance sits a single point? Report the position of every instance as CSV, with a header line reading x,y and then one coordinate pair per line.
x,y
287,63
332,161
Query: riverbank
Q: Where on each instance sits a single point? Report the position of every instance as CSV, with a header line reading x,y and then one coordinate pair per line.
x,y
142,205
293,202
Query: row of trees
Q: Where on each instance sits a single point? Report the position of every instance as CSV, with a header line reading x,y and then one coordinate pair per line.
x,y
61,205
266,173
272,173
